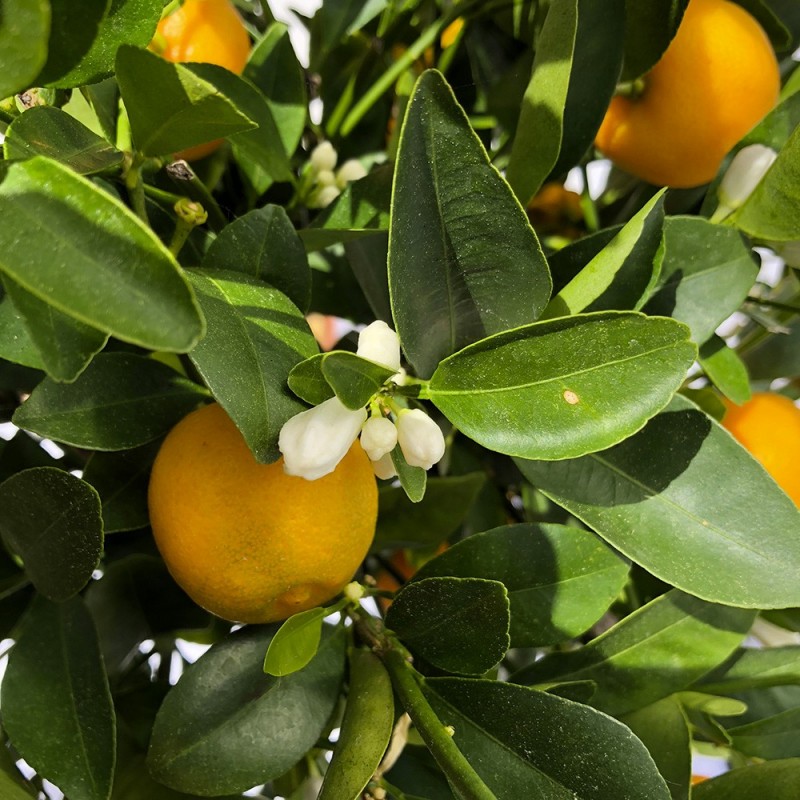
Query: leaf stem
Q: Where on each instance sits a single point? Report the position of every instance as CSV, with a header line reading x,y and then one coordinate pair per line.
x,y
135,186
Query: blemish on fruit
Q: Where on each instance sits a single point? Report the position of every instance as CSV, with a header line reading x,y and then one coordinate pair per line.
x,y
571,397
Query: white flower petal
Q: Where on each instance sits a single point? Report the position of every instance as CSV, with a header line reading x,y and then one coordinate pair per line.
x,y
378,437
379,343
745,172
350,171
420,438
384,467
324,157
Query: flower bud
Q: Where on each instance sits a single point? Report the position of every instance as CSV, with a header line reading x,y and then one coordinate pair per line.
x,y
379,343
384,468
351,170
326,178
323,157
378,437
745,172
323,197
313,442
420,438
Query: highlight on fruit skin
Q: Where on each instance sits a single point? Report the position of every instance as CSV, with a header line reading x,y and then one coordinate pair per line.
x,y
768,427
246,541
717,79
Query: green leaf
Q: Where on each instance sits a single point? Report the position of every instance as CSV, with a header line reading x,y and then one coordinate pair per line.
x,y
706,273
412,479
463,259
295,643
362,209
726,369
92,259
57,707
771,738
275,71
218,731
64,345
560,580
575,71
16,344
526,743
120,401
24,32
567,263
664,730
752,668
659,649
11,788
665,480
308,382
264,244
255,336
563,387
775,356
622,274
121,480
650,25
457,624
47,131
354,379
73,30
365,731
52,521
778,780
185,111
131,22
772,211
711,704
445,506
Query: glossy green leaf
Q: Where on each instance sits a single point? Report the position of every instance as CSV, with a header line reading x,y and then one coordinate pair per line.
x,y
725,369
255,336
665,480
752,668
526,743
664,730
563,387
275,71
218,731
457,624
185,111
92,259
413,480
24,32
120,401
560,580
711,704
308,382
64,345
336,21
263,243
575,70
73,30
47,131
621,275
354,379
131,22
771,738
778,780
121,480
362,209
295,643
772,211
447,502
650,25
775,356
567,263
463,259
365,731
11,788
706,273
16,344
57,707
659,649
52,521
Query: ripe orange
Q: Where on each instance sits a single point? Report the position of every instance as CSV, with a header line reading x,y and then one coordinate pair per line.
x,y
556,209
206,31
246,541
717,79
768,426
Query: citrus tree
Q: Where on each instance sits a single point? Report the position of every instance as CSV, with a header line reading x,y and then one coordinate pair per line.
x,y
495,541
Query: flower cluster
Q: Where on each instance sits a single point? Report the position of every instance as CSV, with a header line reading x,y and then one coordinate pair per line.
x,y
315,441
328,184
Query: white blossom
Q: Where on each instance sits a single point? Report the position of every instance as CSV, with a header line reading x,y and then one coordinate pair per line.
x,y
326,178
351,170
379,343
745,172
420,438
315,441
323,197
384,467
323,157
378,437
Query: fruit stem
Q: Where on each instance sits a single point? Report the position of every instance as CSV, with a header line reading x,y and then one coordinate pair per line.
x,y
189,214
135,186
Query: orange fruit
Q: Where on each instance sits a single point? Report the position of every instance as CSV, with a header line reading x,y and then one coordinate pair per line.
x,y
450,33
716,80
403,567
246,541
556,209
206,31
768,426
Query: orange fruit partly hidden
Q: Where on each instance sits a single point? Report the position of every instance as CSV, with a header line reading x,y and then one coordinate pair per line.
x,y
698,779
768,426
246,541
206,31
402,566
556,209
716,80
